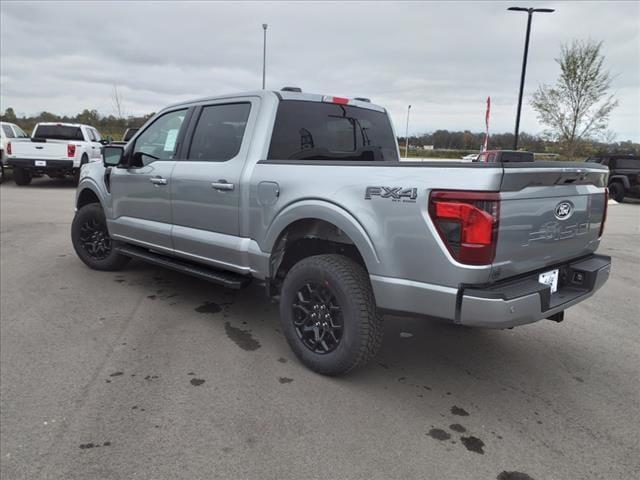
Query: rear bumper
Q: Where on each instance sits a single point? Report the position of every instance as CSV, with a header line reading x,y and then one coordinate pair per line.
x,y
505,304
50,164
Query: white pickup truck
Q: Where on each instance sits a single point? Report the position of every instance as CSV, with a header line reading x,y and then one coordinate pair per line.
x,y
55,149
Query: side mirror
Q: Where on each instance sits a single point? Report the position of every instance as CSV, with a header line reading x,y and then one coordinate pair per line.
x,y
112,155
105,141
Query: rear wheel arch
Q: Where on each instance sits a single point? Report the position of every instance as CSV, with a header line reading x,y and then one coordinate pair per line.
x,y
315,234
622,179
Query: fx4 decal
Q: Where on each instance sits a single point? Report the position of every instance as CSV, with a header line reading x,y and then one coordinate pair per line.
x,y
396,194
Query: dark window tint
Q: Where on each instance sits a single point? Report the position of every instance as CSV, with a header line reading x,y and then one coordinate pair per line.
x,y
327,131
7,131
516,157
632,163
58,132
128,135
594,160
218,134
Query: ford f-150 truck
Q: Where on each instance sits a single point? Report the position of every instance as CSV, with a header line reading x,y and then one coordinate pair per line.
x,y
55,149
8,132
306,194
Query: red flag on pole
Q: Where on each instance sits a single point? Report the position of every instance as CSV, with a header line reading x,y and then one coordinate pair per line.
x,y
486,121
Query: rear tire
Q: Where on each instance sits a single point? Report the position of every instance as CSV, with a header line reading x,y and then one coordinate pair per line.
x,y
329,315
22,176
92,242
616,191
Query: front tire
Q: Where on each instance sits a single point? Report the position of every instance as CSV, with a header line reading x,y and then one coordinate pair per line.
x,y
616,191
22,176
92,242
329,315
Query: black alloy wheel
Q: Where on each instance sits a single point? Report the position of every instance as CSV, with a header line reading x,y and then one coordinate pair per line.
x,y
95,239
317,318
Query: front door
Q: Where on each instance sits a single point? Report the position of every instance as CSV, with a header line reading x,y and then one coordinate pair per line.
x,y
141,189
206,187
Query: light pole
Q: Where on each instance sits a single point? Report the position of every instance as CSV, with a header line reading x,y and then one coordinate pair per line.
x,y
530,11
406,135
264,54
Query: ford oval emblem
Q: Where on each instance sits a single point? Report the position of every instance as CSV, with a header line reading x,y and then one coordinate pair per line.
x,y
564,210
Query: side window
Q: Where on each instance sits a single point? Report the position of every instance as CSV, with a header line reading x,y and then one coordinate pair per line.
x,y
7,131
96,135
491,158
219,132
630,163
19,132
90,135
159,140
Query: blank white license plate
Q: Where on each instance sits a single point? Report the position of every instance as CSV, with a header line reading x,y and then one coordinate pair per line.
x,y
41,163
551,279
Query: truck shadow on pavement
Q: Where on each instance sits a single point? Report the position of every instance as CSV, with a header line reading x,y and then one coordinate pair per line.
x,y
433,353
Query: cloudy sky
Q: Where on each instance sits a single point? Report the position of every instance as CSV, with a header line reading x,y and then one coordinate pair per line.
x,y
442,58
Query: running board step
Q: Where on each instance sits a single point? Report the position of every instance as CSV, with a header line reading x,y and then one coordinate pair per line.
x,y
221,277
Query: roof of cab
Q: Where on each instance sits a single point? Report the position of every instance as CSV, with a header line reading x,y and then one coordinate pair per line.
x,y
282,95
65,124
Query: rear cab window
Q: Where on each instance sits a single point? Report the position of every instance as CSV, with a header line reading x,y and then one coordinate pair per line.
x,y
306,130
58,132
8,131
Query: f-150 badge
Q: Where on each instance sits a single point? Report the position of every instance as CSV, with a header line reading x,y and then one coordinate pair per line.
x,y
396,194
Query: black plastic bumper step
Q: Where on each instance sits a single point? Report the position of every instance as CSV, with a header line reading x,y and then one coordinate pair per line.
x,y
221,277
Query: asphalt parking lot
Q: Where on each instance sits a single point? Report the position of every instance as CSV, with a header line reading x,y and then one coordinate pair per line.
x,y
149,374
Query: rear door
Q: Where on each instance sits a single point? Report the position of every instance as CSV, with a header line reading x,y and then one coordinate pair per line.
x,y
206,185
141,191
549,213
94,147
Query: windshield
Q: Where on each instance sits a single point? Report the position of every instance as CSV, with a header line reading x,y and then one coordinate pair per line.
x,y
327,131
58,132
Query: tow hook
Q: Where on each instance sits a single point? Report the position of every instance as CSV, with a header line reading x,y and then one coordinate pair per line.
x,y
557,317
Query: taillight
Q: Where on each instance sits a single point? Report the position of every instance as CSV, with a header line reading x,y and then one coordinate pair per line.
x,y
71,150
8,148
467,222
604,212
338,100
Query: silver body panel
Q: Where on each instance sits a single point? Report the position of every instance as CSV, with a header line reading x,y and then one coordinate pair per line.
x,y
410,268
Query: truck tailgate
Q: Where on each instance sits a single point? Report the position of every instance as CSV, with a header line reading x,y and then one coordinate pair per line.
x,y
550,213
45,150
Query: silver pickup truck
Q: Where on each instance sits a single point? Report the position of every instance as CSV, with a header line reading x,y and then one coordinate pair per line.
x,y
306,194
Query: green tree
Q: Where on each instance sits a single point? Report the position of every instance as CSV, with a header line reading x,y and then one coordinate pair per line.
x,y
9,115
578,106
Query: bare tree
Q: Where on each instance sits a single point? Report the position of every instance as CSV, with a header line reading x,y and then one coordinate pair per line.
x,y
578,106
117,102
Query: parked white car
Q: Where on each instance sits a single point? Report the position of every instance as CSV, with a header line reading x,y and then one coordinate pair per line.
x,y
8,132
470,158
55,149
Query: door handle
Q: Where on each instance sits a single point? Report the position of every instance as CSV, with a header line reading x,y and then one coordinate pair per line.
x,y
158,180
223,185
